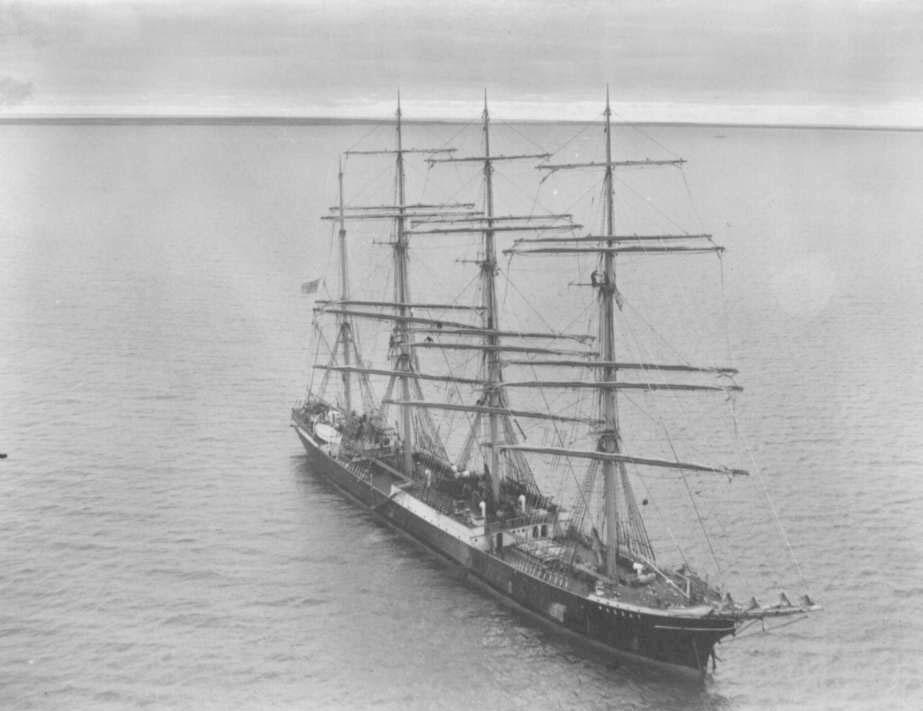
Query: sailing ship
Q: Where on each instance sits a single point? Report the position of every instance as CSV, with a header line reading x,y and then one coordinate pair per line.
x,y
590,569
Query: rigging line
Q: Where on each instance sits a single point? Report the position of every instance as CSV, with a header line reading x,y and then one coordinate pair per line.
x,y
529,305
743,628
665,342
653,500
651,204
322,338
475,177
585,497
535,202
375,177
692,202
365,384
317,344
570,208
429,171
647,356
414,169
602,198
330,250
695,506
684,412
573,138
768,630
466,361
457,389
676,352
368,134
655,332
644,133
506,280
315,323
772,507
461,294
520,191
509,125
726,313
568,463
464,127
588,308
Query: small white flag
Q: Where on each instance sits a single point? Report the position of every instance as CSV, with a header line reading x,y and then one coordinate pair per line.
x,y
310,287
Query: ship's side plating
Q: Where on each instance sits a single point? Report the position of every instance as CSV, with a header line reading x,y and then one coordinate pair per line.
x,y
678,641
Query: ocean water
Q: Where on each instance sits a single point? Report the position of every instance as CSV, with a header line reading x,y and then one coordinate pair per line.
x,y
164,545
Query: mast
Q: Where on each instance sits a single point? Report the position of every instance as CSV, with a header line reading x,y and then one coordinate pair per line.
x,y
609,439
345,333
404,360
399,308
608,452
491,339
493,402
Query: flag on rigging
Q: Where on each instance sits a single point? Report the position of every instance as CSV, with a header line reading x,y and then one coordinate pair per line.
x,y
310,287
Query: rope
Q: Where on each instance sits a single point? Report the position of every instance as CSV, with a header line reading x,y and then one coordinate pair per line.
x,y
775,516
695,506
322,338
573,138
644,355
764,630
522,193
510,126
650,203
627,304
526,302
724,309
653,501
319,333
375,177
367,134
466,362
644,133
692,202
317,344
464,127
541,392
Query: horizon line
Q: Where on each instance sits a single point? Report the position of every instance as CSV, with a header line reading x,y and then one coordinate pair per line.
x,y
327,119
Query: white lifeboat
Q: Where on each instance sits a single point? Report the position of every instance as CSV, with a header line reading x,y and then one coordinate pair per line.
x,y
327,433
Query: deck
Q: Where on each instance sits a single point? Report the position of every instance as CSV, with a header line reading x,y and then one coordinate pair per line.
x,y
546,557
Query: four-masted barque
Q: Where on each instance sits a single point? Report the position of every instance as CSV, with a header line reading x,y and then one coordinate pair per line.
x,y
593,574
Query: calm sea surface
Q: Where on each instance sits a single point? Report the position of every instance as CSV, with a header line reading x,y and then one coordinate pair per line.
x,y
163,543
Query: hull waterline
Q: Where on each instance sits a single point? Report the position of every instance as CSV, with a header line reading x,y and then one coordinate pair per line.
x,y
675,642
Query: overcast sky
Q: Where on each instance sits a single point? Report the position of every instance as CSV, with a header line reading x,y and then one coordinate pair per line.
x,y
842,61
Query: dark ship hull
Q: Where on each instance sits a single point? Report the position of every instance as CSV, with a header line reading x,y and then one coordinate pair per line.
x,y
682,642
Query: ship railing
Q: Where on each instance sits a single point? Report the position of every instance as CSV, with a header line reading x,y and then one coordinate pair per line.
x,y
377,452
432,498
361,470
520,521
537,569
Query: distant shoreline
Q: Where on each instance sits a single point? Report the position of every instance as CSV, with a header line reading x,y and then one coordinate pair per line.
x,y
186,120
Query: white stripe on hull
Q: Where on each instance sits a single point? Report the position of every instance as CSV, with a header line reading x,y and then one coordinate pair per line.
x,y
468,547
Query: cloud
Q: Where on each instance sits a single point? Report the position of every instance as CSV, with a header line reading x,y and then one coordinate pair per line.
x,y
852,61
13,91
